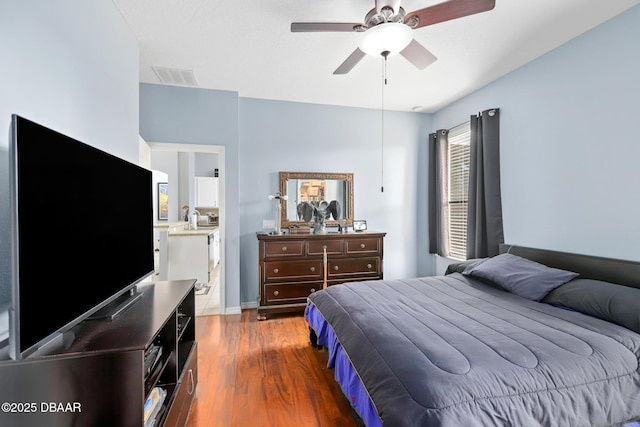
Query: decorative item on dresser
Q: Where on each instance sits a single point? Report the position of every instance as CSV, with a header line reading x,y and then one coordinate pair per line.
x,y
291,266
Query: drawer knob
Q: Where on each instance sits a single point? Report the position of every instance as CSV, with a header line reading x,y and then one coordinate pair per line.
x,y
276,293
275,270
312,269
313,290
336,268
284,249
362,246
368,265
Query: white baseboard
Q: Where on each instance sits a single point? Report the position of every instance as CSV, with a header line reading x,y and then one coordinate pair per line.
x,y
243,306
249,304
233,310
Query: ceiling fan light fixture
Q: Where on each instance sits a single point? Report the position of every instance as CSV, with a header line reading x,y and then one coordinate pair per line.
x,y
391,37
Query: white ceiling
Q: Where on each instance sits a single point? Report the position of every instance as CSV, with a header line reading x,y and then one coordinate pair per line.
x,y
246,46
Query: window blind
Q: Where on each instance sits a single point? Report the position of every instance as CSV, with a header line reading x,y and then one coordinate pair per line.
x,y
459,154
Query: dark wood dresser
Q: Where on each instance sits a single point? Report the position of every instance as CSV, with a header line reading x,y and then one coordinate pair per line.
x,y
291,266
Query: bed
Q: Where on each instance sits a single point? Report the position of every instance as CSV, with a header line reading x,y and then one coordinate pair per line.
x,y
527,338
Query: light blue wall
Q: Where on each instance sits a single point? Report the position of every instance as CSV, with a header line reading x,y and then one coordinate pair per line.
x,y
72,66
569,143
264,137
287,136
180,115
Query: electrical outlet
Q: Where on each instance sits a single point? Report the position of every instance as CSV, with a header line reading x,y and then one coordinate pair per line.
x,y
268,224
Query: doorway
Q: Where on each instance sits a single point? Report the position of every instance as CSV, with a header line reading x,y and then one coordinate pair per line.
x,y
216,289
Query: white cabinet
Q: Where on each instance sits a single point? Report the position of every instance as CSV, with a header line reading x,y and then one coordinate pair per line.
x,y
188,257
206,191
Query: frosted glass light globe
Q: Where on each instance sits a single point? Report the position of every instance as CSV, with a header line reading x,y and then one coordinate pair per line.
x,y
390,36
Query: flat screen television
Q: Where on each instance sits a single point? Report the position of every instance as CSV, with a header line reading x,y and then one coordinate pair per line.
x,y
82,227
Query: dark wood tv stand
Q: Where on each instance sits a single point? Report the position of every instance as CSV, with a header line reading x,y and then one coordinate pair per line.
x,y
96,375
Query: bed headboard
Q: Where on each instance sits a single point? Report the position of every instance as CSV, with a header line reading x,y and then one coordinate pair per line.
x,y
590,267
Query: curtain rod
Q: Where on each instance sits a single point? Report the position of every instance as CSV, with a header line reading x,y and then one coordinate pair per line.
x,y
491,112
458,125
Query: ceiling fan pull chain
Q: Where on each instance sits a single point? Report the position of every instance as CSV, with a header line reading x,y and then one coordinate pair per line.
x,y
384,54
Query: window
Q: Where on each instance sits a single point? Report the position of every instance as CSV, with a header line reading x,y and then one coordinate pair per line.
x,y
461,193
458,158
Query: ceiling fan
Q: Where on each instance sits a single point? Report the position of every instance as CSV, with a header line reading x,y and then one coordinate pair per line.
x,y
388,30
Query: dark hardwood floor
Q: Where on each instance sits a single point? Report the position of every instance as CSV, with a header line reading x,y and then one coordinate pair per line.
x,y
263,373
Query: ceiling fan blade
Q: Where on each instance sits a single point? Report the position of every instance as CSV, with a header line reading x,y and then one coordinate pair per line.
x,y
350,62
312,27
393,4
447,11
418,55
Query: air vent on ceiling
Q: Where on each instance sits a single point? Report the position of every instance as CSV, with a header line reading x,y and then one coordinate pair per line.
x,y
174,76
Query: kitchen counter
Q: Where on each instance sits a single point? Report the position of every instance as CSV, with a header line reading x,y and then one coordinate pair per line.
x,y
170,225
201,231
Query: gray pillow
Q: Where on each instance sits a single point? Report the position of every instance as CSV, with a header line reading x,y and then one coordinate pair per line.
x,y
520,276
614,303
460,266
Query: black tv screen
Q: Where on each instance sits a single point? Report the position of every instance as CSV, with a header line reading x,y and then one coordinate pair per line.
x,y
83,232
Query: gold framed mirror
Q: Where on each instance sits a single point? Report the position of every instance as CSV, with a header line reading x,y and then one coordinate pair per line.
x,y
304,188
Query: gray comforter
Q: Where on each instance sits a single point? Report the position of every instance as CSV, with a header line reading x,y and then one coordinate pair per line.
x,y
452,351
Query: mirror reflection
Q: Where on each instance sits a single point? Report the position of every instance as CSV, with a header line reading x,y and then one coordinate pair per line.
x,y
328,195
310,193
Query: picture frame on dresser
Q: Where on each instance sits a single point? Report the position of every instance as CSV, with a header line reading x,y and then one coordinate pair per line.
x,y
359,225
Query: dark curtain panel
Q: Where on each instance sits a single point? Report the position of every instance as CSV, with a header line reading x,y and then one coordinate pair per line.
x,y
484,221
438,190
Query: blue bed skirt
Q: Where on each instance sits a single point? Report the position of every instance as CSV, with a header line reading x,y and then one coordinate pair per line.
x,y
346,377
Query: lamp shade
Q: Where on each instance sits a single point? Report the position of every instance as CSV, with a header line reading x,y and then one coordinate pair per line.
x,y
392,37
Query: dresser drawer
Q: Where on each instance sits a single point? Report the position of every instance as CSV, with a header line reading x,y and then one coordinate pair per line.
x,y
363,246
285,293
365,267
293,270
277,249
334,247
